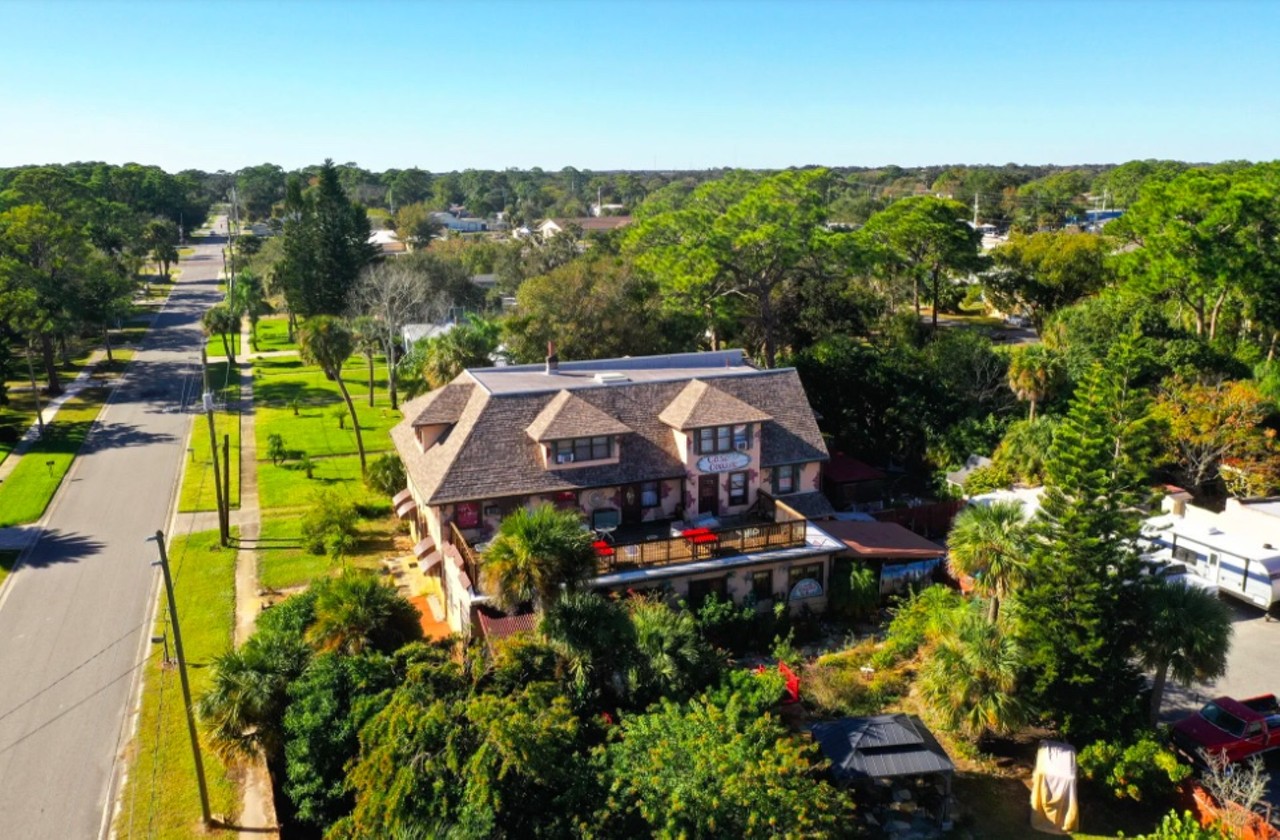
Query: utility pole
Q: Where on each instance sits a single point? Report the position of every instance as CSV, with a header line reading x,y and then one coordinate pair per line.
x,y
975,210
223,532
35,390
182,676
226,485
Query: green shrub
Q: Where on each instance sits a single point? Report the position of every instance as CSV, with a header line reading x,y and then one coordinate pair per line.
x,y
986,479
1183,826
917,620
276,450
339,413
836,684
757,691
855,591
386,474
1142,770
329,526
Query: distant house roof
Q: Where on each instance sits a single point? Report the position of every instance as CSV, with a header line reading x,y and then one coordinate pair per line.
x,y
701,405
973,462
588,223
569,416
413,333
880,747
883,540
842,469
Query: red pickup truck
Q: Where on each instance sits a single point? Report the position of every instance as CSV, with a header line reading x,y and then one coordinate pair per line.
x,y
1238,728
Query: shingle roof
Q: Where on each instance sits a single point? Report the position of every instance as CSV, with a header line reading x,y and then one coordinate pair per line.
x,y
700,405
568,416
488,455
882,539
880,747
443,405
814,505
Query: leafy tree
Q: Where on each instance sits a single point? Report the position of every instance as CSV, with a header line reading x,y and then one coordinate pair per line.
x,y
276,450
970,678
221,320
259,188
929,238
161,239
1022,452
744,238
1210,424
105,297
1188,636
330,524
328,343
415,226
1033,370
42,262
1077,620
596,307
326,246
594,641
356,612
1043,272
328,704
536,555
393,295
673,660
990,543
750,777
441,764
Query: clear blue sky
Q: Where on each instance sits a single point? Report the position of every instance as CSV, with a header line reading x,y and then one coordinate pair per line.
x,y
608,84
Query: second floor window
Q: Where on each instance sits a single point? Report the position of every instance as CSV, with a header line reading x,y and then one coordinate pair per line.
x,y
715,439
583,449
784,479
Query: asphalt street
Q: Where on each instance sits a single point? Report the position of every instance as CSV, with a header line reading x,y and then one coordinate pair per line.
x,y
74,614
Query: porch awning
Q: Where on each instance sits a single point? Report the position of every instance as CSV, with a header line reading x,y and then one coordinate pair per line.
x,y
428,562
423,548
406,493
406,508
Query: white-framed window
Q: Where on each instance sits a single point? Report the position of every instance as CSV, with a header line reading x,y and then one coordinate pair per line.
x,y
582,449
649,495
785,478
715,439
737,488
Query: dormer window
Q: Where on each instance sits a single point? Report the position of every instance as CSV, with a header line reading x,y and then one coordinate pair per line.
x,y
724,439
572,451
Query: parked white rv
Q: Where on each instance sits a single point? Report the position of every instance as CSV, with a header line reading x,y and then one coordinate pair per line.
x,y
1236,549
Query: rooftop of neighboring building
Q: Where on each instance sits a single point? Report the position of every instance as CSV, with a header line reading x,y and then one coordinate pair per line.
x,y
886,540
572,375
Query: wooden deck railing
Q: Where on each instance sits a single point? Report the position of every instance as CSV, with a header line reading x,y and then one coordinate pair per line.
x,y
741,540
469,556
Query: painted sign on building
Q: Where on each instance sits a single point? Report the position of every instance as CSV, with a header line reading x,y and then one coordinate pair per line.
x,y
806,588
723,462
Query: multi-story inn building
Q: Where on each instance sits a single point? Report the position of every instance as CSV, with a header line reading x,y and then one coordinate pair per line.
x,y
698,472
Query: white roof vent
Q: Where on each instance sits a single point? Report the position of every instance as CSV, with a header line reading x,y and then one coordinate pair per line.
x,y
611,378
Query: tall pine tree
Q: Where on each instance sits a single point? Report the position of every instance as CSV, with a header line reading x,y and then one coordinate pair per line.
x,y
1080,613
326,245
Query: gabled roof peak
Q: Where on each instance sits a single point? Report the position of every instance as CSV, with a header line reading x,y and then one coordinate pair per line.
x,y
569,416
701,404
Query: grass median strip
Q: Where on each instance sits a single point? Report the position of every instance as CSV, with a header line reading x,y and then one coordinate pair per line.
x,y
7,561
26,493
198,492
160,798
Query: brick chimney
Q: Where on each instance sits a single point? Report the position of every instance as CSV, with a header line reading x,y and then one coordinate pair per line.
x,y
553,361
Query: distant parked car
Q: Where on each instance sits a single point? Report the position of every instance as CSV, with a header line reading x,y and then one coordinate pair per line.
x,y
1022,322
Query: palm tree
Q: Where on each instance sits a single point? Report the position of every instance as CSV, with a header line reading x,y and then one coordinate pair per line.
x,y
990,544
355,612
221,320
251,301
1188,636
970,680
243,709
673,660
368,339
468,344
327,342
1033,370
537,555
594,641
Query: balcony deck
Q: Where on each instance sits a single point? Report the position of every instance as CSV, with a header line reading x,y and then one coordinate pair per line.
x,y
665,551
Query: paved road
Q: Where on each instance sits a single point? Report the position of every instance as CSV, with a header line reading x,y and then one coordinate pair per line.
x,y
73,616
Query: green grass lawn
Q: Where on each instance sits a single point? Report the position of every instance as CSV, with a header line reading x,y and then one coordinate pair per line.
x,y
197,479
998,808
314,429
273,334
7,561
27,491
282,562
160,798
215,347
286,485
